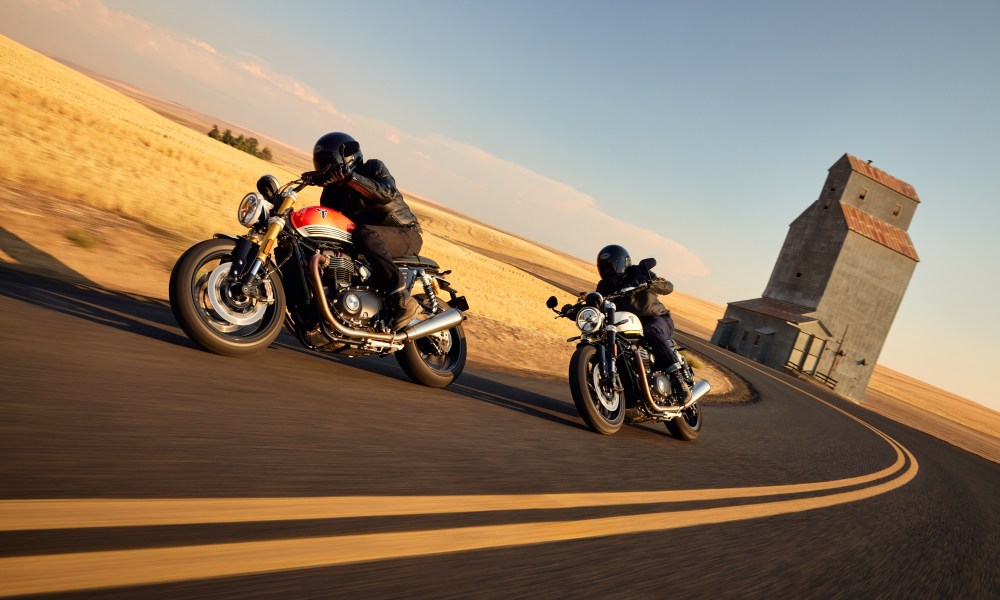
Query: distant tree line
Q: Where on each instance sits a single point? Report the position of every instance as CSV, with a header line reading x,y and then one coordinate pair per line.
x,y
248,145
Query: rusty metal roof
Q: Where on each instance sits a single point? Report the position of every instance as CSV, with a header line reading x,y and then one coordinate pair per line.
x,y
879,231
778,309
793,314
875,174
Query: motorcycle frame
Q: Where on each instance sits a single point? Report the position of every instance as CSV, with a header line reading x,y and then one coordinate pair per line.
x,y
300,248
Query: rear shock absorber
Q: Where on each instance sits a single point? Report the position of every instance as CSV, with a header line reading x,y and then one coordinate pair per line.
x,y
432,290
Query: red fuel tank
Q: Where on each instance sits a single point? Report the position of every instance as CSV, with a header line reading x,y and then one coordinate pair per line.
x,y
322,222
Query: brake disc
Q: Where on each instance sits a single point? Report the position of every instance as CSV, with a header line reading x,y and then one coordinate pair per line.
x,y
239,311
608,401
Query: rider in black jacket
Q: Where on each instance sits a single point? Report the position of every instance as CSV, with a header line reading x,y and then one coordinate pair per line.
x,y
617,272
366,193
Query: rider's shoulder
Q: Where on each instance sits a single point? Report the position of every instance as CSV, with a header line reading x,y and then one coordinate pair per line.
x,y
373,167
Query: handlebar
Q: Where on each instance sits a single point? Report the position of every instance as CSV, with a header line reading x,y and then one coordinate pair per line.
x,y
296,186
627,291
569,310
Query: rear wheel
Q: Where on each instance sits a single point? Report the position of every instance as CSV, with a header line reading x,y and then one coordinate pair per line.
x,y
600,405
214,312
687,426
435,360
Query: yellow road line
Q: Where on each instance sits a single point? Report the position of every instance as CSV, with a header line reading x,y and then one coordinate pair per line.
x,y
22,515
90,570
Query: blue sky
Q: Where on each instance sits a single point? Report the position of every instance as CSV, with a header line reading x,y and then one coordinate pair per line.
x,y
693,132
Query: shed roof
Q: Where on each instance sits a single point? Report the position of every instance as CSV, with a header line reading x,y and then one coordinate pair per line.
x,y
879,231
876,174
778,309
793,314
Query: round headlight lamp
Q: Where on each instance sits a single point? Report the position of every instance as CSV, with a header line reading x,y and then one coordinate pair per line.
x,y
250,209
589,319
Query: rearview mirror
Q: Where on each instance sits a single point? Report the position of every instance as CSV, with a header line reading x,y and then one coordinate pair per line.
x,y
647,263
551,302
268,186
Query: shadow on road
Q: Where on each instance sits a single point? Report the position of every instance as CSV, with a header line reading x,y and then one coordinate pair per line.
x,y
52,285
513,398
482,388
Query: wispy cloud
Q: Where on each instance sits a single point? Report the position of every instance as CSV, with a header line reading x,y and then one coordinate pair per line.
x,y
203,45
289,85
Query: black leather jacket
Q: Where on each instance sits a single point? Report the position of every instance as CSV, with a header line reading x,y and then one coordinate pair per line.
x,y
370,197
641,304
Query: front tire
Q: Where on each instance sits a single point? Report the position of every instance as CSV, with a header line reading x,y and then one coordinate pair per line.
x,y
435,360
603,409
212,313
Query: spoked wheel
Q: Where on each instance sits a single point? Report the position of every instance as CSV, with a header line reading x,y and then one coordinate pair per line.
x,y
598,402
435,360
214,312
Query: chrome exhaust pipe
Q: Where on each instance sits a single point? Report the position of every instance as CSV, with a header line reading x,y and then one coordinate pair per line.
x,y
701,387
446,320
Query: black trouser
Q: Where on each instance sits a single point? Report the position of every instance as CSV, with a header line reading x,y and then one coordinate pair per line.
x,y
379,244
657,331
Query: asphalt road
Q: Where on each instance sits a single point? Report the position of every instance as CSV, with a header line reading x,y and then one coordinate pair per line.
x,y
157,470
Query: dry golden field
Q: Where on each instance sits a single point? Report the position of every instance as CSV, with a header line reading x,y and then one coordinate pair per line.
x,y
125,181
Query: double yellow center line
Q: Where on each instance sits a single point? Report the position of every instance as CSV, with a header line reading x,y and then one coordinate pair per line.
x,y
92,570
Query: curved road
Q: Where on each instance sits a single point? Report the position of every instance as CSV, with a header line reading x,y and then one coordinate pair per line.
x,y
137,466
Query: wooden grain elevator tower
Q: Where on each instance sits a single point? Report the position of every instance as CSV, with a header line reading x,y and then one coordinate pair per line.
x,y
837,284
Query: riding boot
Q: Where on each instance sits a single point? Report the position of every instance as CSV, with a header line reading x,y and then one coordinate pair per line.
x,y
406,309
681,391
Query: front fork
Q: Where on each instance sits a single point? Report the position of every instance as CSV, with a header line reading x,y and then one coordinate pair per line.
x,y
608,360
246,272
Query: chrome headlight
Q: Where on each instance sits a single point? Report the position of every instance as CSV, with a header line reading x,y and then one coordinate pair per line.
x,y
589,319
250,209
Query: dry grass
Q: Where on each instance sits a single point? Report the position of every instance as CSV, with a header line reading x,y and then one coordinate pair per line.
x,y
62,134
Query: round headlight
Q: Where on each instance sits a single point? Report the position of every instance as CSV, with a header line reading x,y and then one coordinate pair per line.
x,y
589,319
249,210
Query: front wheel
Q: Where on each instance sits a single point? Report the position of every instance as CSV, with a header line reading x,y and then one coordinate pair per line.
x,y
214,312
599,403
435,360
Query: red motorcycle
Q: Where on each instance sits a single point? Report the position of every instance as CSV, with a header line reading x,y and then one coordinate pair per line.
x,y
299,268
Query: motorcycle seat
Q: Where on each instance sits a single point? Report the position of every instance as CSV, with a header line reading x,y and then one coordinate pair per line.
x,y
421,262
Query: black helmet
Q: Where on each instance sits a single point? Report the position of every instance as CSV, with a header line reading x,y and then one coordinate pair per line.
x,y
337,148
612,261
